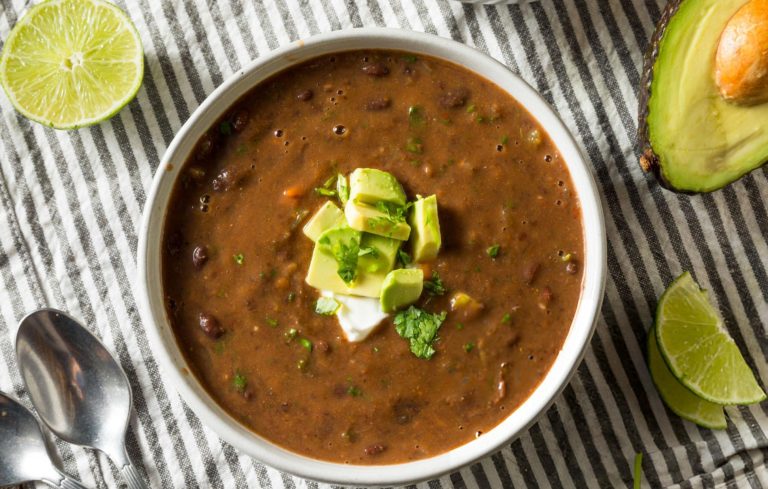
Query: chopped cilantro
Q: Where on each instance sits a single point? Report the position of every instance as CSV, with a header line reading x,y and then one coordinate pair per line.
x,y
326,306
493,251
325,191
413,145
342,189
354,391
345,254
420,329
272,322
368,251
506,318
239,258
240,382
306,343
415,115
504,140
410,58
468,347
225,128
404,258
471,108
434,286
395,213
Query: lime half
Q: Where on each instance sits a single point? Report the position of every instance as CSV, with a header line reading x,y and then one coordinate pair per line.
x,y
698,350
677,397
72,63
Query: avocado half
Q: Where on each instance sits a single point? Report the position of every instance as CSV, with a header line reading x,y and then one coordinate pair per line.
x,y
690,137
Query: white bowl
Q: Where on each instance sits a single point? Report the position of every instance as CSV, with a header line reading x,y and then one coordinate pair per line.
x,y
162,338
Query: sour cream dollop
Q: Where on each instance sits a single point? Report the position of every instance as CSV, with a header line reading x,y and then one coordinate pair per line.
x,y
358,316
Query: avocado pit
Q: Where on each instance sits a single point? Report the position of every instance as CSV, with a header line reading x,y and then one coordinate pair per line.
x,y
741,61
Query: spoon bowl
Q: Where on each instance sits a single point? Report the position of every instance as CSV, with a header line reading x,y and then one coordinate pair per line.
x,y
80,392
23,451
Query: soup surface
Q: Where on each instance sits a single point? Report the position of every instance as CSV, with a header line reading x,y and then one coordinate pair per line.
x,y
235,259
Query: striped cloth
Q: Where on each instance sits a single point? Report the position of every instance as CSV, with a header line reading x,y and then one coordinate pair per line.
x,y
70,207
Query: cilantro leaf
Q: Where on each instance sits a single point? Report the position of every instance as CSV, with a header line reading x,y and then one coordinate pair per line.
x,y
420,329
240,382
345,250
493,251
404,258
342,189
326,306
434,286
325,191
368,250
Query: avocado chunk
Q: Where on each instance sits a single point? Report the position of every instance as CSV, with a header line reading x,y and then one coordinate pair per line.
x,y
425,238
401,287
325,218
693,139
363,217
371,186
341,253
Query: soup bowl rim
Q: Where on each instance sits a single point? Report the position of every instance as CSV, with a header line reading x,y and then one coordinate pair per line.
x,y
151,298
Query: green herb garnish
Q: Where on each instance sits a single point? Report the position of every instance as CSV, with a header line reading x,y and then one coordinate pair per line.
x,y
306,344
504,140
468,347
434,286
394,213
239,258
471,108
506,318
272,322
420,329
415,115
240,382
369,250
493,251
404,258
413,145
354,391
342,189
345,254
325,191
410,58
326,306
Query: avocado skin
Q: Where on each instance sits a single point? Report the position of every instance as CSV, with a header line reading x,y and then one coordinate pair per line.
x,y
648,159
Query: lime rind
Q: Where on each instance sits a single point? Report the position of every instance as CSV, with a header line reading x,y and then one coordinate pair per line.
x,y
678,398
697,348
100,48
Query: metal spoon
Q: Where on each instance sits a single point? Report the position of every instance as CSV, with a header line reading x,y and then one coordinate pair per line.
x,y
76,386
24,456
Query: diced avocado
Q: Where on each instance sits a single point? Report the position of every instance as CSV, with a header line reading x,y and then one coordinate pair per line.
x,y
693,139
325,218
342,246
367,218
425,238
377,254
401,287
370,186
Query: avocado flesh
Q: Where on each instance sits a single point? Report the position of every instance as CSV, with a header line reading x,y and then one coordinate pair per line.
x,y
701,142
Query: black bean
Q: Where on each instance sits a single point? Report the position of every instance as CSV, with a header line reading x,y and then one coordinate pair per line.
x,y
199,256
240,119
374,450
322,346
405,410
375,69
305,95
210,325
225,180
454,98
380,103
529,272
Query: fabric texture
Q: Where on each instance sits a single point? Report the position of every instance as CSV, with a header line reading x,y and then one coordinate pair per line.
x,y
71,204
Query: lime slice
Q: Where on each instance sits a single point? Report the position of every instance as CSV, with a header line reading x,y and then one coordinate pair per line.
x,y
698,350
677,397
72,63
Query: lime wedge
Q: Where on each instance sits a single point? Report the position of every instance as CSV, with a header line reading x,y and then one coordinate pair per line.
x,y
72,63
698,350
677,397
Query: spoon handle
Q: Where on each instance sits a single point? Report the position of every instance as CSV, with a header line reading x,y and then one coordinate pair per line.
x,y
132,477
70,483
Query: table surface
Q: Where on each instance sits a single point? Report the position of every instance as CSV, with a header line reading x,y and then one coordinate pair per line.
x,y
71,202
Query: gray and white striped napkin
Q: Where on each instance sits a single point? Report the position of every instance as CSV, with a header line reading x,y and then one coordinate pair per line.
x,y
70,207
